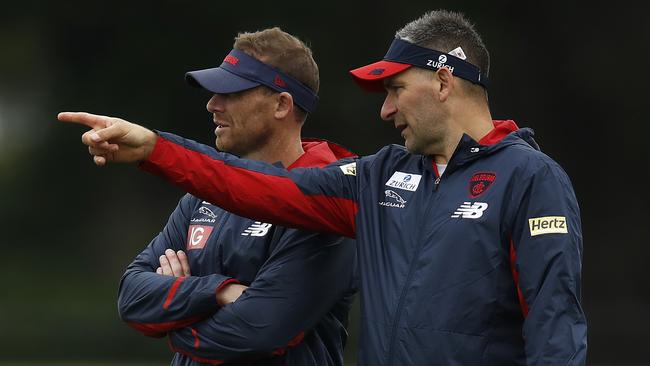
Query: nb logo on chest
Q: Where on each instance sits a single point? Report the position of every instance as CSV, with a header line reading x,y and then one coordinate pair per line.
x,y
258,228
469,210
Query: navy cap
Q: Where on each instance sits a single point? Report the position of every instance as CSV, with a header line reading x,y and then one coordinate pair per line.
x,y
240,71
402,55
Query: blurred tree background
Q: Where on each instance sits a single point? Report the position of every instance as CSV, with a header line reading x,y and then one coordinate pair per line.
x,y
576,73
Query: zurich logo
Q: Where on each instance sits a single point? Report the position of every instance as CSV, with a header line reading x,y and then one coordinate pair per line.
x,y
442,59
407,178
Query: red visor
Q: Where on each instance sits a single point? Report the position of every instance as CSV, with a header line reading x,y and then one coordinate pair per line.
x,y
370,77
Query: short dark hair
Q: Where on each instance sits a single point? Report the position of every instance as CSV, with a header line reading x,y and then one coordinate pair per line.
x,y
444,31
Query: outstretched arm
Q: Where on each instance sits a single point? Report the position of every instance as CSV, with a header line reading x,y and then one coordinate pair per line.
x,y
323,200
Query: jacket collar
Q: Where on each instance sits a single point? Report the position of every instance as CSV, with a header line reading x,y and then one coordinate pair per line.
x,y
504,133
319,153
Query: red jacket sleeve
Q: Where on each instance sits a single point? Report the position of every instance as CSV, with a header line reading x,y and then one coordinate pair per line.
x,y
322,200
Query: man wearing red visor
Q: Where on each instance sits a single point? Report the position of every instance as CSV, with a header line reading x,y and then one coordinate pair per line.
x,y
469,239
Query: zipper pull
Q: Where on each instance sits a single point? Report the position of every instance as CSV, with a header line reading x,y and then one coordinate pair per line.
x,y
436,183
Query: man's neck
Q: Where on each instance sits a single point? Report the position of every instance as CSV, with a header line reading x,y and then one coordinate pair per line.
x,y
476,122
285,149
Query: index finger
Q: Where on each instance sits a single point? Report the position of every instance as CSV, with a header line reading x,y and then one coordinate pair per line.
x,y
83,118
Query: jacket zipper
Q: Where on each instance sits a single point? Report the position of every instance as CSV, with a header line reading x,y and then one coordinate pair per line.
x,y
402,297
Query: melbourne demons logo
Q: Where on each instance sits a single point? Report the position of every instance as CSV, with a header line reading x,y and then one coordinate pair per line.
x,y
197,236
480,182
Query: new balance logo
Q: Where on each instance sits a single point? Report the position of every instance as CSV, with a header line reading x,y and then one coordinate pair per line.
x,y
469,210
257,229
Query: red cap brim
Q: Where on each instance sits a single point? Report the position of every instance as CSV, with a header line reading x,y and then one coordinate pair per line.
x,y
370,77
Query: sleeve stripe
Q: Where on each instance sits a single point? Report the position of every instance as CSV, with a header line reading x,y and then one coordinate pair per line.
x,y
193,357
172,292
197,342
278,352
515,276
292,343
223,284
158,330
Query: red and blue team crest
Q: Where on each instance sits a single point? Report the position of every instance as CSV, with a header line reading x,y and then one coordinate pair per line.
x,y
480,183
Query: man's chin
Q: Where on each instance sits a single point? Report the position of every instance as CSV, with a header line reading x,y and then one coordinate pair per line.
x,y
221,146
409,146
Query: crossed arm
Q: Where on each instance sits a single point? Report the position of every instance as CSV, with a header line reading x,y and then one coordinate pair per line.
x,y
157,291
176,264
305,276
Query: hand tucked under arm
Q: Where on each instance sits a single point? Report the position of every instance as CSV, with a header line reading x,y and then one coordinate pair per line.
x,y
176,264
230,293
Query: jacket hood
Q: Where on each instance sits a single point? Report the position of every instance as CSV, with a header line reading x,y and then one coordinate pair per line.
x,y
505,133
319,153
503,129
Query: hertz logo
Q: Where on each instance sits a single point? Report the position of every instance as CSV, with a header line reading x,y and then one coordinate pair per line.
x,y
548,225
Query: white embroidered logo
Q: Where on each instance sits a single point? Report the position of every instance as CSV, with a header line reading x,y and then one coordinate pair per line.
x,y
469,210
397,200
208,212
258,228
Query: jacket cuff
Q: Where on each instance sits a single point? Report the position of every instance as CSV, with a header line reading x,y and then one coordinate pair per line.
x,y
222,285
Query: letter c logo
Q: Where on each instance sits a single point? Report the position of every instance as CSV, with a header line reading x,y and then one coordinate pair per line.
x,y
197,235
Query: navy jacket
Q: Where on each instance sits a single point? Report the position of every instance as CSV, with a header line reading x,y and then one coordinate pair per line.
x,y
479,266
295,310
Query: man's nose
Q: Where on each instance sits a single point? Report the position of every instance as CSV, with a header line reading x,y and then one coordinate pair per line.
x,y
216,103
389,108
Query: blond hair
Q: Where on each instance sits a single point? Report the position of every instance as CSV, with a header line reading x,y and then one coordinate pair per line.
x,y
283,51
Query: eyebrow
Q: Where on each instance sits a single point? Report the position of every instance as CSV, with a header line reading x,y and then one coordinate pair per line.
x,y
390,82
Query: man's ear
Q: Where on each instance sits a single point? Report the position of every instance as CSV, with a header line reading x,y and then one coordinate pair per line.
x,y
447,83
284,105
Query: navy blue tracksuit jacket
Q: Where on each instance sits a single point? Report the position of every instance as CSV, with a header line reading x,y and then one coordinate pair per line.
x,y
479,266
295,310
